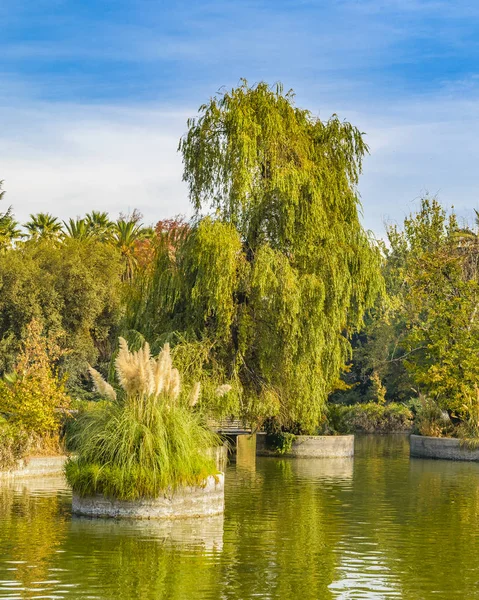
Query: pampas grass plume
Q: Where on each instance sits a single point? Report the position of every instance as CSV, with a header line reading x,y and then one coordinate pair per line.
x,y
222,390
101,386
195,394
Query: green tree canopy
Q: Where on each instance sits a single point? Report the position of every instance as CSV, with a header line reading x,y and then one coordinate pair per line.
x,y
281,272
73,289
9,230
437,297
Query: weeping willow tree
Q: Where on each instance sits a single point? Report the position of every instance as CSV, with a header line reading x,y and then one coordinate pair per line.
x,y
276,270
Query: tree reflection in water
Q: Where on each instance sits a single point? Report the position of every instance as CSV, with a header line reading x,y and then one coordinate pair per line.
x,y
378,526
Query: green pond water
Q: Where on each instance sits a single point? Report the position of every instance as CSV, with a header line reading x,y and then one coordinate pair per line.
x,y
377,526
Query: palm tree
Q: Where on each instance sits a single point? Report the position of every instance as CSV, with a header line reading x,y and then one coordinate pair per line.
x,y
99,224
43,226
9,230
77,229
127,234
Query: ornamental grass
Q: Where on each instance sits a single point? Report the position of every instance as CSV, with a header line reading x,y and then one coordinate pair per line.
x,y
145,440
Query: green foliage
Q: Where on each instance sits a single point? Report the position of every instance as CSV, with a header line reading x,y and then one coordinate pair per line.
x,y
43,226
99,225
377,349
9,230
73,288
430,419
146,438
123,456
13,444
278,440
377,388
196,363
468,429
80,410
35,399
369,418
77,229
281,442
125,235
282,273
425,336
438,302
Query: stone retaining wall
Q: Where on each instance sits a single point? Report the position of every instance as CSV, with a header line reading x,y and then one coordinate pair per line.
x,y
421,446
312,446
36,466
187,502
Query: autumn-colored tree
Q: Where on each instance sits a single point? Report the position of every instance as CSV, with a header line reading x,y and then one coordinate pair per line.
x,y
33,397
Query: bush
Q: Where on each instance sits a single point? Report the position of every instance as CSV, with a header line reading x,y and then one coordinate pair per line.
x,y
146,438
13,445
369,418
280,442
430,419
468,429
33,398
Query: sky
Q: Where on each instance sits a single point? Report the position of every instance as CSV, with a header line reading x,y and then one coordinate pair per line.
x,y
94,95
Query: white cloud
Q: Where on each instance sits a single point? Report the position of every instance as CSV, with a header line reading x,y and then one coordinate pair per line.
x,y
70,159
416,147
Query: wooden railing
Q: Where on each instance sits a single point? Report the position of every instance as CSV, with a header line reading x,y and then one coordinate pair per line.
x,y
229,426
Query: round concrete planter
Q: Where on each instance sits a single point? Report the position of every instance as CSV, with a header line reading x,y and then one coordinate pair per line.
x,y
312,446
422,446
36,466
220,455
187,502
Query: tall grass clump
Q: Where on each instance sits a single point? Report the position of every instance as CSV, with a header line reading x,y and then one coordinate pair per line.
x,y
146,439
13,444
430,419
468,429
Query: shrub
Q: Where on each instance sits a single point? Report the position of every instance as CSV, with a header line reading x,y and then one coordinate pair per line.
x,y
378,391
430,419
33,398
369,418
145,438
13,445
468,429
280,442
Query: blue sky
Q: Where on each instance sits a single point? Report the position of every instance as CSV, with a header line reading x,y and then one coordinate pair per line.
x,y
95,94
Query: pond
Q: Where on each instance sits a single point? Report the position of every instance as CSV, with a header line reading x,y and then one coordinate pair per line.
x,y
376,526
